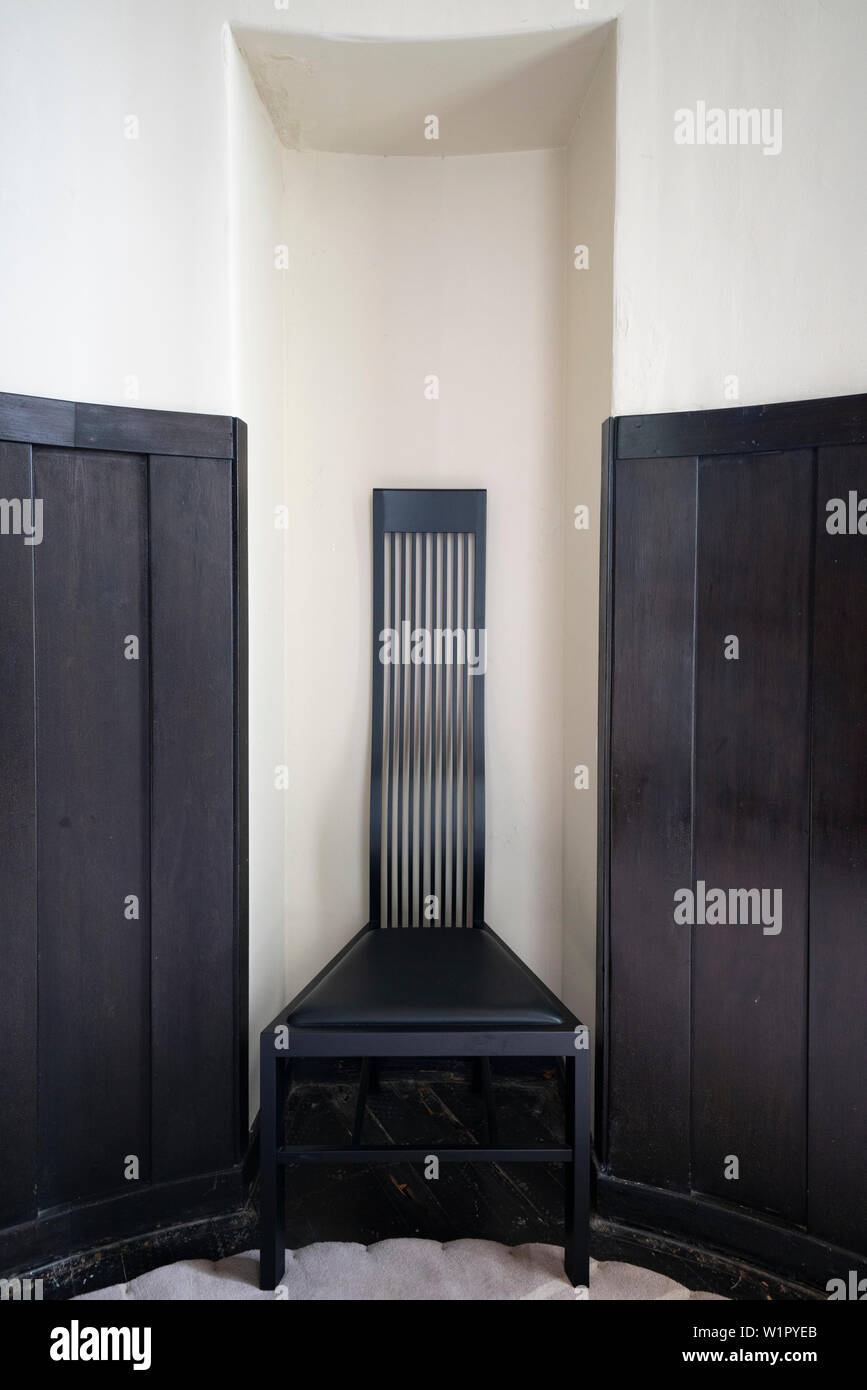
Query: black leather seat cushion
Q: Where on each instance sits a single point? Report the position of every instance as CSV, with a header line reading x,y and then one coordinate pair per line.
x,y
430,977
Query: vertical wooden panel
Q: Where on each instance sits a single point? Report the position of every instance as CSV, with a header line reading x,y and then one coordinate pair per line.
x,y
654,571
195,1048
751,825
837,1206
92,798
241,894
18,1122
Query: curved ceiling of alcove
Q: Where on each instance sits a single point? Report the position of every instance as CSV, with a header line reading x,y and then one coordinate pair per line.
x,y
490,95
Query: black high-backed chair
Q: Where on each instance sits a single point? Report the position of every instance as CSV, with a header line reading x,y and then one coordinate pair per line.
x,y
426,977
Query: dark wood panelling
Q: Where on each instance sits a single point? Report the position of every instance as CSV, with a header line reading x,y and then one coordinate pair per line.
x,y
66,424
603,795
18,990
92,798
744,429
241,777
838,938
648,1017
168,432
779,1040
76,1092
37,420
194,853
751,826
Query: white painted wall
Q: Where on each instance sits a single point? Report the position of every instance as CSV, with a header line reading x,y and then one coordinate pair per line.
x,y
729,261
411,19
492,94
588,366
114,250
399,268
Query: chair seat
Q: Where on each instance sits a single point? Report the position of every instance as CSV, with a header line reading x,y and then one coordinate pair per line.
x,y
428,977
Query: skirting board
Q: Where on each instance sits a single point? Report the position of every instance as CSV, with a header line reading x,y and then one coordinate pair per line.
x,y
783,1251
80,1230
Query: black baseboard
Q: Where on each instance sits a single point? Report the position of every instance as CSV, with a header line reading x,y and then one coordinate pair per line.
x,y
782,1255
99,1267
697,1268
81,1231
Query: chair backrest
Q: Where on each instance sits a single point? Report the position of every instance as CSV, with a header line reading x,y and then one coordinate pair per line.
x,y
427,766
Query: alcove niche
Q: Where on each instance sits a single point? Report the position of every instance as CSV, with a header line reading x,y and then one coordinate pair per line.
x,y
405,217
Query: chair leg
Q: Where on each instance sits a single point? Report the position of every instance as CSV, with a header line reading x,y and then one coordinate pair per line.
x,y
272,1218
578,1172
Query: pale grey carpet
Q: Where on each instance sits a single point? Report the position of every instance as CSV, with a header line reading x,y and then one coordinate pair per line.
x,y
406,1269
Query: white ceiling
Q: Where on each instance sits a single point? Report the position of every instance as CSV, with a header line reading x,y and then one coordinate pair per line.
x,y
363,96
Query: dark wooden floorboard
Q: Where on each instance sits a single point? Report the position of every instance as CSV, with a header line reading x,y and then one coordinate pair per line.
x,y
512,1203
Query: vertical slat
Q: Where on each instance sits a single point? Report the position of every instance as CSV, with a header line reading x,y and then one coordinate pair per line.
x,y
92,809
400,731
411,818
434,731
459,732
459,738
405,737
443,736
751,826
191,529
479,729
443,731
423,784
471,611
445,715
651,818
379,730
455,673
465,735
447,728
18,989
394,696
837,1105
